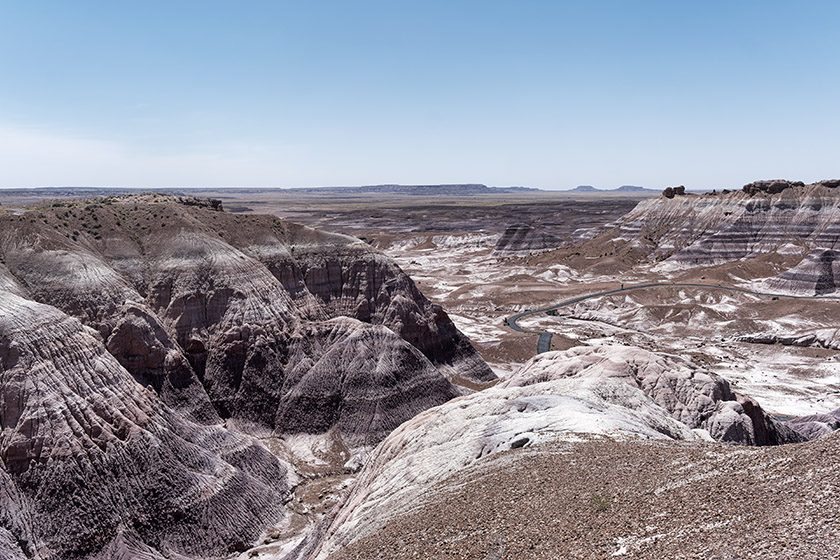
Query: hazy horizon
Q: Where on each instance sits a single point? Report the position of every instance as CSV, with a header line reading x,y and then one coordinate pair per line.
x,y
547,95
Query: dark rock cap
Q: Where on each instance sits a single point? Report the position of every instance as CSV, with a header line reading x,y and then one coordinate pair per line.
x,y
772,186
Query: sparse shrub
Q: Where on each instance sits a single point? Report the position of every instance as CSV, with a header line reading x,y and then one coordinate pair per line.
x,y
600,502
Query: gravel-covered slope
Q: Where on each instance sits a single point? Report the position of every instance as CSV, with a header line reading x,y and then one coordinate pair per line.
x,y
635,499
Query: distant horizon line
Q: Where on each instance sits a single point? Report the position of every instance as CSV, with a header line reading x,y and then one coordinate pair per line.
x,y
582,188
308,187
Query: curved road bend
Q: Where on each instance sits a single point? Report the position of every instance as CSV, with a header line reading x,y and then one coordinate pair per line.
x,y
544,341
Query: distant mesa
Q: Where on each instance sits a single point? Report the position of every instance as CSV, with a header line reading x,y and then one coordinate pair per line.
x,y
626,189
457,189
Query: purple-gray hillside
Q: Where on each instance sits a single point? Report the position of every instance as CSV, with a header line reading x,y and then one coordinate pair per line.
x,y
136,333
87,453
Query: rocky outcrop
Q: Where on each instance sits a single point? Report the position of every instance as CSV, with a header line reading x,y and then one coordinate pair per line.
x,y
671,192
525,238
773,186
710,229
695,397
211,203
817,274
86,453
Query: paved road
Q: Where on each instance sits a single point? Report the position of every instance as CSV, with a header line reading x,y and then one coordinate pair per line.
x,y
544,341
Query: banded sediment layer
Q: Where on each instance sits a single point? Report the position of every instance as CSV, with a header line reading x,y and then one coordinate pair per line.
x,y
817,274
526,238
724,226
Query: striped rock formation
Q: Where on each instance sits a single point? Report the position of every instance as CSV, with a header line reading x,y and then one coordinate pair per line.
x,y
817,274
525,238
88,456
136,333
719,227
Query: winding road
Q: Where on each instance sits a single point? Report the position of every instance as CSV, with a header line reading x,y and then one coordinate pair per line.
x,y
544,341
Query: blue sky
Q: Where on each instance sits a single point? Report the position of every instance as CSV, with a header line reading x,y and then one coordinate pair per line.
x,y
546,94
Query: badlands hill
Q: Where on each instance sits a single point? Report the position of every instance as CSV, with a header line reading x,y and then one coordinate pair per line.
x,y
789,223
147,342
721,227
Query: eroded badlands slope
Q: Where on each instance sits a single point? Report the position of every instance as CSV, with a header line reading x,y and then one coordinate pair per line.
x,y
131,328
89,456
763,217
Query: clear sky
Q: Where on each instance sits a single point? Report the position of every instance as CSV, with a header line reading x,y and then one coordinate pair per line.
x,y
547,94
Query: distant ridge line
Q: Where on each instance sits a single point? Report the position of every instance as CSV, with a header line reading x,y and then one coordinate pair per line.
x,y
421,190
443,189
621,189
